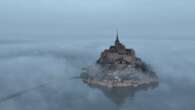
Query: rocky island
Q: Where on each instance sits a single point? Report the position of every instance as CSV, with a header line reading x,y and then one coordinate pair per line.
x,y
119,66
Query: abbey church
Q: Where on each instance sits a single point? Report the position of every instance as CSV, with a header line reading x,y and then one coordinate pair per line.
x,y
117,54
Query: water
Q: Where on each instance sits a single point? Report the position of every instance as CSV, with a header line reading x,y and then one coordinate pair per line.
x,y
42,75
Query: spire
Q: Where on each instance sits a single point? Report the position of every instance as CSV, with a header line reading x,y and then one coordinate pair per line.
x,y
117,38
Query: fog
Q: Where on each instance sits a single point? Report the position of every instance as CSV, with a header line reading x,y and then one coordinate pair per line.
x,y
45,44
40,75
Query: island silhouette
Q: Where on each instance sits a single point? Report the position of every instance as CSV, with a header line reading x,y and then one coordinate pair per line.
x,y
119,66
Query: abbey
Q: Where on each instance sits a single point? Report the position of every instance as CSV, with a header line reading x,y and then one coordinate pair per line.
x,y
117,54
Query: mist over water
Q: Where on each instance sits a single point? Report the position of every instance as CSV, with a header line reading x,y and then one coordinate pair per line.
x,y
40,75
44,44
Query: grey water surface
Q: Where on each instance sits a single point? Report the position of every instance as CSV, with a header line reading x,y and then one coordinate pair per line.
x,y
41,75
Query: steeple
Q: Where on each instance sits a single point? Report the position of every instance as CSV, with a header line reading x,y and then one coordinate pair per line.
x,y
117,39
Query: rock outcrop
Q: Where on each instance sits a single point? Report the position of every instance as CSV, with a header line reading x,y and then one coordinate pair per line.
x,y
119,67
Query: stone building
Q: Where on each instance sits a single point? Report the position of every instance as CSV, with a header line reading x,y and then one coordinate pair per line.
x,y
117,54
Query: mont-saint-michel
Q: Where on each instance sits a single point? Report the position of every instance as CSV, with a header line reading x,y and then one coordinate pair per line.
x,y
119,66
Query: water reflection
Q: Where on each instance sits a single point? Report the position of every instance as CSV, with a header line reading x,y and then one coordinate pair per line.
x,y
120,95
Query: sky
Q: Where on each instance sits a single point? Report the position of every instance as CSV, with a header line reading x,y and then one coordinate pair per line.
x,y
156,19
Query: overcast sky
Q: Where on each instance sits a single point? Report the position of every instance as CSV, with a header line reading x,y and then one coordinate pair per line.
x,y
79,18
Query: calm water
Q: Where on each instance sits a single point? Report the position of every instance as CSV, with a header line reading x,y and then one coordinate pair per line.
x,y
40,75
